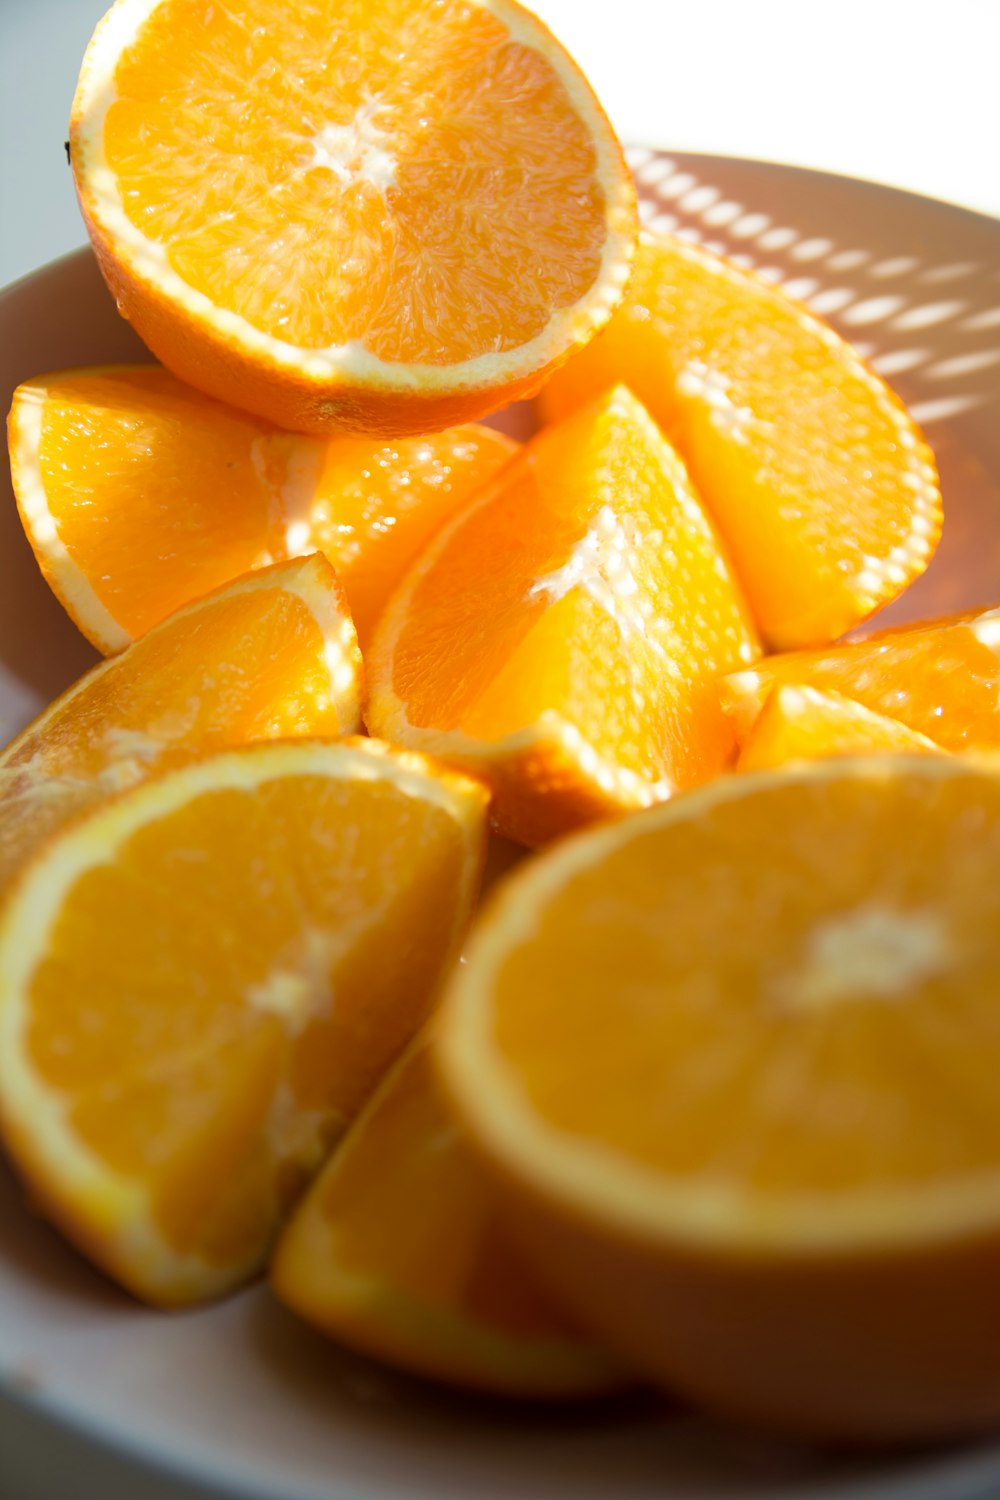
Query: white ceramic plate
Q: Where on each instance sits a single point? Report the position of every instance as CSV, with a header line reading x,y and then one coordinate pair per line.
x,y
105,1399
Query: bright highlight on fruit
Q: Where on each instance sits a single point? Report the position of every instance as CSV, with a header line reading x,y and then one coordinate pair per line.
x,y
562,637
383,216
203,981
732,1067
270,656
816,476
139,494
397,1251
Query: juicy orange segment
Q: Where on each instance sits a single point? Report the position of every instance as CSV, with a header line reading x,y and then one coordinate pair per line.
x,y
376,505
201,983
562,635
138,494
395,1251
448,160
821,484
733,1066
940,678
270,656
801,723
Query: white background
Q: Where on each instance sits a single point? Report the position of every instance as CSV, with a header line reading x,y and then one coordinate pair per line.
x,y
902,91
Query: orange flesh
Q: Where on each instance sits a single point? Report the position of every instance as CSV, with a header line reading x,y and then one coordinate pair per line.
x,y
397,1251
941,679
584,581
370,138
799,723
164,1010
160,494
735,1019
246,665
378,505
820,484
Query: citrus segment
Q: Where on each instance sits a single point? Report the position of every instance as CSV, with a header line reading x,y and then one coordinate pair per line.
x,y
269,656
561,637
941,678
821,484
201,983
733,1066
138,494
801,723
395,1251
374,505
447,160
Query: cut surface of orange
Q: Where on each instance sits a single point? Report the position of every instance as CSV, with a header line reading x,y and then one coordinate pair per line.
x,y
272,655
561,637
387,215
203,981
139,494
801,723
733,1067
940,678
395,1250
821,484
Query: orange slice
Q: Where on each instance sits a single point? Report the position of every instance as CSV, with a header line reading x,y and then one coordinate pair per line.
x,y
138,494
201,983
941,678
562,635
801,723
270,656
821,484
386,216
733,1064
395,1252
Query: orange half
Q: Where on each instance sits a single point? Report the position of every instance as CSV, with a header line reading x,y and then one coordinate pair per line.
x,y
382,215
732,1065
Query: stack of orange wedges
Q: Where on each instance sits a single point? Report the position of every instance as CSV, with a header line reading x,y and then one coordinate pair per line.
x,y
711,1101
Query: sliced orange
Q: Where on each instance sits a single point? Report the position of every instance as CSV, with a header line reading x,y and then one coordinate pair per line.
x,y
820,482
382,216
562,635
269,656
801,723
941,678
138,494
732,1065
201,983
395,1251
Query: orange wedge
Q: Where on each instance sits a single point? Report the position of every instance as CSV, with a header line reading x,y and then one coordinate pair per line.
x,y
384,216
395,1252
732,1067
201,983
941,678
562,635
138,494
270,656
821,484
801,723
